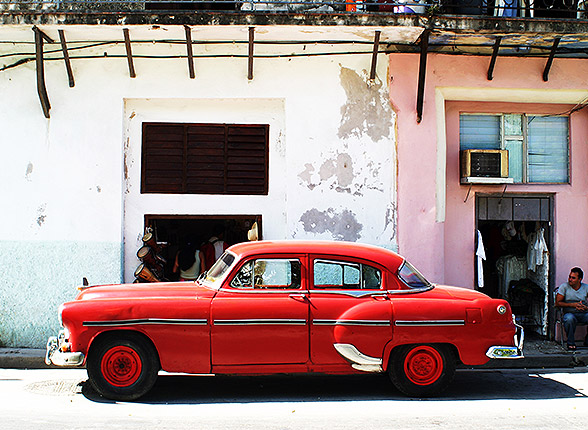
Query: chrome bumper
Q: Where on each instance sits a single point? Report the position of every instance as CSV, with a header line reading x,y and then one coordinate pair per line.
x,y
510,352
55,356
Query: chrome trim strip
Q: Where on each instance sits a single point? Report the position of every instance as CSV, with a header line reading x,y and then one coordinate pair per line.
x,y
351,293
358,360
412,291
369,323
145,321
428,323
261,321
263,290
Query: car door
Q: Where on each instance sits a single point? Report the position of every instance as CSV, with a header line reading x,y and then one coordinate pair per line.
x,y
348,305
260,315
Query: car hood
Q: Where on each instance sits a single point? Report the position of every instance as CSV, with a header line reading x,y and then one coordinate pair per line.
x,y
146,291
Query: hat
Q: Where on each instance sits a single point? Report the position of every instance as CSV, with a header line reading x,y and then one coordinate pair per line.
x,y
252,234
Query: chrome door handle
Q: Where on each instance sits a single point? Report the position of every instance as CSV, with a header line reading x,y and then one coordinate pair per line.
x,y
299,297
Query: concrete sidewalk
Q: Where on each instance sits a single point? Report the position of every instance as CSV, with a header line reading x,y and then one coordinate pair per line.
x,y
538,354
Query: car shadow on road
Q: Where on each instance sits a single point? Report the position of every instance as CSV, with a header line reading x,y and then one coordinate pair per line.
x,y
467,385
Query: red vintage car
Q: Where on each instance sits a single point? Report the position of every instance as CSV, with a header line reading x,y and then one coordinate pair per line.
x,y
285,307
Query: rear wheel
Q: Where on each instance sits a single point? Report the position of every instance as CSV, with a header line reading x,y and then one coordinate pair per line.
x,y
422,370
122,367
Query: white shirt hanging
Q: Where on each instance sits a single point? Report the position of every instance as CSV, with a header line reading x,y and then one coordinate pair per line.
x,y
480,255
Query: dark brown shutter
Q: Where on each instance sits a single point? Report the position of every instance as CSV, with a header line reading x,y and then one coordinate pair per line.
x,y
205,158
163,158
246,155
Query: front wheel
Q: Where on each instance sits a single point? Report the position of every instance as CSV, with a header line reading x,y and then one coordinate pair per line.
x,y
122,367
422,370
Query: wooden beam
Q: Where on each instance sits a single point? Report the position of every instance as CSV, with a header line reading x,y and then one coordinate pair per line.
x,y
375,54
422,74
550,59
40,37
493,59
70,76
251,45
129,53
190,52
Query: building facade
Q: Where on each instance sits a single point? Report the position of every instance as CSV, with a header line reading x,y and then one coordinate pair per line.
x,y
333,123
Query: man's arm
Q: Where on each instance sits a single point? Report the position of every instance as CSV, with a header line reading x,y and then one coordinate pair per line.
x,y
576,305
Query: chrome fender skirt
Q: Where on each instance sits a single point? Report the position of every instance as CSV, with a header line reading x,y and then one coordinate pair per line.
x,y
358,360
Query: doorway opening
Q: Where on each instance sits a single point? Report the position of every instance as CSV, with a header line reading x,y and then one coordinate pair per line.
x,y
172,232
517,236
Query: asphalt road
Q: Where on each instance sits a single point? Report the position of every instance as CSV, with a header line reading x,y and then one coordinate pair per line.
x,y
477,399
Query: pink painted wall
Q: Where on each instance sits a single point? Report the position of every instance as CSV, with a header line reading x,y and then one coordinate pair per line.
x,y
444,250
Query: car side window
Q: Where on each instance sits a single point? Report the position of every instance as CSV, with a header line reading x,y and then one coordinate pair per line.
x,y
346,275
268,273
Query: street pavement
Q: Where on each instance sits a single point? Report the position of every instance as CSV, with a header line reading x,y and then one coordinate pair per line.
x,y
504,399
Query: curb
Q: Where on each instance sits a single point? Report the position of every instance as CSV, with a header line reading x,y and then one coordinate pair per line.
x,y
23,358
28,358
543,361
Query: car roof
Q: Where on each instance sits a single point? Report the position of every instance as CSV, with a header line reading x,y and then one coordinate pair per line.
x,y
383,256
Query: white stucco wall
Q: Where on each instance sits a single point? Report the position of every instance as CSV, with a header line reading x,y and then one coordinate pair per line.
x,y
72,182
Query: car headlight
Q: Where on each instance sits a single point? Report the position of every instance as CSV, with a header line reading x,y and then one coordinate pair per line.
x,y
501,309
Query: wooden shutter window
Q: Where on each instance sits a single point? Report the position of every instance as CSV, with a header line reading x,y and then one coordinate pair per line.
x,y
205,158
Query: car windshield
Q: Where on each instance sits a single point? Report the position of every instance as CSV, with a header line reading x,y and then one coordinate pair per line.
x,y
214,276
412,277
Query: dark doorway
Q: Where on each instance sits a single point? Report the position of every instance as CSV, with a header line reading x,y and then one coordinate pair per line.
x,y
516,233
172,232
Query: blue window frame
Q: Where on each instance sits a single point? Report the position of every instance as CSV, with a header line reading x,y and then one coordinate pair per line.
x,y
538,145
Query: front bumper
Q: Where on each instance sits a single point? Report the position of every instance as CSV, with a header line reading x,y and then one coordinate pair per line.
x,y
56,356
510,352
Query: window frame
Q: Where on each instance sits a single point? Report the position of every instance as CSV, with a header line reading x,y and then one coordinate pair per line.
x,y
255,287
343,263
524,137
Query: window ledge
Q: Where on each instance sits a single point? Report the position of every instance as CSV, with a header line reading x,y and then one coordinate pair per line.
x,y
487,181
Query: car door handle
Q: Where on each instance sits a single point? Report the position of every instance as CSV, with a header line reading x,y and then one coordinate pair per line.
x,y
300,297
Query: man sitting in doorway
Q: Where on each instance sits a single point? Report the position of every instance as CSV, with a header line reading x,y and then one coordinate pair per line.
x,y
572,297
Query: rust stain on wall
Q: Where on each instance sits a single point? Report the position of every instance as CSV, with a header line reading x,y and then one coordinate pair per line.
x,y
341,225
367,109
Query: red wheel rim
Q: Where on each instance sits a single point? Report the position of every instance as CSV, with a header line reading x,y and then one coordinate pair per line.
x,y
121,366
423,365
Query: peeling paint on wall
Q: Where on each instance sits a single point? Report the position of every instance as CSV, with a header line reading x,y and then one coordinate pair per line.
x,y
306,175
367,109
342,226
390,223
126,166
340,173
41,215
281,144
29,172
341,168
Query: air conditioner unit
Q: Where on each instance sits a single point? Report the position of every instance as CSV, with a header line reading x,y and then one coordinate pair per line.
x,y
485,166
